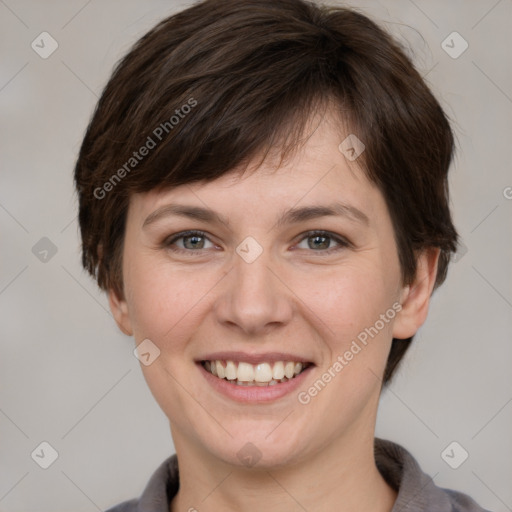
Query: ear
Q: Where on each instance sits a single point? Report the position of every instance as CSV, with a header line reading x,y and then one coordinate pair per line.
x,y
416,296
119,309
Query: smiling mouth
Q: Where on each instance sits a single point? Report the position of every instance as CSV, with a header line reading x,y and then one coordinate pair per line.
x,y
262,374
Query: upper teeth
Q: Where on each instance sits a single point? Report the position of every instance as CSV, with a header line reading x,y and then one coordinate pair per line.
x,y
246,372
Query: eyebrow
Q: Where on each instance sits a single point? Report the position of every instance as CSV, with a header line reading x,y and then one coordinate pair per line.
x,y
291,216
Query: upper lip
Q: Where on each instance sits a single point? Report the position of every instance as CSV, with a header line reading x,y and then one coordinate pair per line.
x,y
266,357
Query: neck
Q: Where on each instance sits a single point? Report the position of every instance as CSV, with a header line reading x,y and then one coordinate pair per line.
x,y
343,478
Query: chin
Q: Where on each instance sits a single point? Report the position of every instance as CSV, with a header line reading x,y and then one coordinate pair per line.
x,y
254,451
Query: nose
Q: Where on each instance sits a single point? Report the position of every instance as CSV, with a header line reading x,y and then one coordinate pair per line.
x,y
254,298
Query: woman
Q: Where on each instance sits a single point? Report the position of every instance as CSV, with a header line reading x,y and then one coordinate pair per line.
x,y
263,195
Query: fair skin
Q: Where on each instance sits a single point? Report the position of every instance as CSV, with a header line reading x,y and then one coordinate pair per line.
x,y
304,295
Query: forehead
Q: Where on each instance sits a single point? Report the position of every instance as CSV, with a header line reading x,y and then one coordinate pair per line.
x,y
317,172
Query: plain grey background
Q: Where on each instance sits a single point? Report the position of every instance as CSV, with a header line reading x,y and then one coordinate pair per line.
x,y
68,377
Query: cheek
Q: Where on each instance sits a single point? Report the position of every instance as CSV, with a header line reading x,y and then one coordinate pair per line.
x,y
351,299
164,300
164,307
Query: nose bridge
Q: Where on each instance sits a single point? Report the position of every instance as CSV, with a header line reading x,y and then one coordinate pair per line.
x,y
253,297
252,280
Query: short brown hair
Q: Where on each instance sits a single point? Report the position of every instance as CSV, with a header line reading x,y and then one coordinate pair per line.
x,y
251,73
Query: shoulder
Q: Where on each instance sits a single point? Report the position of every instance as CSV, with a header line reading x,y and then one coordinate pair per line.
x,y
158,493
126,506
416,490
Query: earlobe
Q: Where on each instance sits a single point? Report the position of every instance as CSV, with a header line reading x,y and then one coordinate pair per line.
x,y
120,312
416,296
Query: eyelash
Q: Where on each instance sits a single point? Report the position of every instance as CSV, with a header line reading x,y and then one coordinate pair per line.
x,y
167,243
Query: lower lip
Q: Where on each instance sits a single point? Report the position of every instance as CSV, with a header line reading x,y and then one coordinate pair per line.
x,y
254,394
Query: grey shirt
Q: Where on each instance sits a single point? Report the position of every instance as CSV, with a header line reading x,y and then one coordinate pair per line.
x,y
416,491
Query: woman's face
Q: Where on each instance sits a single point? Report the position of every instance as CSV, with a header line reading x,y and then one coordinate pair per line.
x,y
262,288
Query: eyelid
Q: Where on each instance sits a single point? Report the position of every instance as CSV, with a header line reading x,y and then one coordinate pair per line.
x,y
322,232
183,234
340,240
